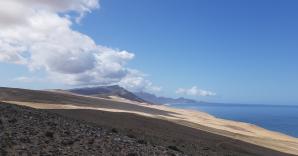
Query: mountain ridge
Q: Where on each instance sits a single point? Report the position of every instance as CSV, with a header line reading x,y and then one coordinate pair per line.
x,y
106,92
164,100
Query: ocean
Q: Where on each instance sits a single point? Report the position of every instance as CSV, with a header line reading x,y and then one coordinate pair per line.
x,y
278,118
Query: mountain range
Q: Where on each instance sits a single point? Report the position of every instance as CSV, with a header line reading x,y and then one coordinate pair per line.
x,y
115,90
163,100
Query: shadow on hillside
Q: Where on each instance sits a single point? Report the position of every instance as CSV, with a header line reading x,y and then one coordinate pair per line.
x,y
189,140
22,95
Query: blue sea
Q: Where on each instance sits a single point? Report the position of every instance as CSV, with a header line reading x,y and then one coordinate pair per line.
x,y
278,118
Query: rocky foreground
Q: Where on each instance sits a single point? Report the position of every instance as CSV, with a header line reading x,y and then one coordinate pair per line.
x,y
26,131
34,122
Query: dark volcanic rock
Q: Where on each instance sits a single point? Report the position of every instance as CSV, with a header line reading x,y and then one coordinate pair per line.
x,y
25,131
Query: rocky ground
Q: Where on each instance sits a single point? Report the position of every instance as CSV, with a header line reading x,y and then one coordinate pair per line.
x,y
25,131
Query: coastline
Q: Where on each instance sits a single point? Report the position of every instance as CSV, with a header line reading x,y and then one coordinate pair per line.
x,y
194,119
191,131
279,118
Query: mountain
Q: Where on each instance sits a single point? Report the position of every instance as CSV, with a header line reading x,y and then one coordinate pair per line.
x,y
106,91
163,100
123,125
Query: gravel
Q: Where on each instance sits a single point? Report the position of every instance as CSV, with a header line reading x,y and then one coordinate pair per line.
x,y
25,132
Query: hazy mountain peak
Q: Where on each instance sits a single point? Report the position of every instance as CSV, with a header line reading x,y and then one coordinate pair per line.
x,y
163,100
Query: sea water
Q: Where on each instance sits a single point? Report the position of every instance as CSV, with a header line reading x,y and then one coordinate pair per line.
x,y
278,118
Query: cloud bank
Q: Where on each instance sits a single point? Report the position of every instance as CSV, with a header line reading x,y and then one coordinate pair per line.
x,y
194,91
38,34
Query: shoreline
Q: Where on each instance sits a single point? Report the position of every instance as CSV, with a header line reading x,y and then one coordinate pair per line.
x,y
246,132
233,119
192,123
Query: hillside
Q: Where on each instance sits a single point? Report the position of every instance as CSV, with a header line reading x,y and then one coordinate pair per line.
x,y
106,92
26,131
191,132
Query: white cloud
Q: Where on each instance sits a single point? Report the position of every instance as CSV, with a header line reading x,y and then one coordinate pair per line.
x,y
38,34
25,79
23,9
136,81
195,91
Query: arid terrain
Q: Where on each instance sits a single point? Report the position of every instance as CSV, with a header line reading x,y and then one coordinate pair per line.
x,y
26,131
154,128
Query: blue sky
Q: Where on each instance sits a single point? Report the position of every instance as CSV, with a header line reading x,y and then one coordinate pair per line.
x,y
244,51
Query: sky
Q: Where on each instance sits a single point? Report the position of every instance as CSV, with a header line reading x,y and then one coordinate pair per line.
x,y
211,50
